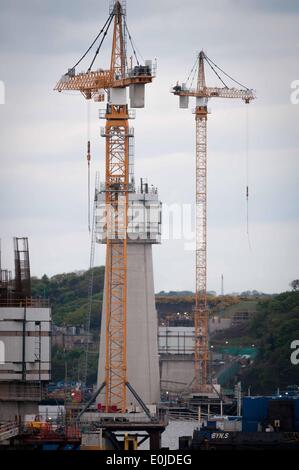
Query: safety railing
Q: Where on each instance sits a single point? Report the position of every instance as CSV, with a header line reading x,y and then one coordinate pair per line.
x,y
28,302
103,113
9,430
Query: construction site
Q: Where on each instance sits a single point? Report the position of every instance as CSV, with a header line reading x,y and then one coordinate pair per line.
x,y
151,371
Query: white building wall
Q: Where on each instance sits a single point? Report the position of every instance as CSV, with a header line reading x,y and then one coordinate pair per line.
x,y
180,339
177,373
176,340
37,343
142,327
176,349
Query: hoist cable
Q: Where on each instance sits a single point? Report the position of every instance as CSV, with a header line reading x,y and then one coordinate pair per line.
x,y
216,73
88,163
191,71
228,76
102,40
193,77
247,176
134,48
88,183
91,281
93,43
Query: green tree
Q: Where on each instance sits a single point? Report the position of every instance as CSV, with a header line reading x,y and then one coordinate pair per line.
x,y
295,284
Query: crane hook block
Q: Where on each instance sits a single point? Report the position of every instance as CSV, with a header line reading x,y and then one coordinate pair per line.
x,y
88,151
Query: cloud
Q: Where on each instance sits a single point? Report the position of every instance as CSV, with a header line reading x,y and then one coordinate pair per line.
x,y
43,190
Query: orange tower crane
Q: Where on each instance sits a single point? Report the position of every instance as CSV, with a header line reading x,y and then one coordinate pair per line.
x,y
203,93
95,84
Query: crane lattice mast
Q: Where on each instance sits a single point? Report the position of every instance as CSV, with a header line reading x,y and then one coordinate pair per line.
x,y
117,187
96,84
202,93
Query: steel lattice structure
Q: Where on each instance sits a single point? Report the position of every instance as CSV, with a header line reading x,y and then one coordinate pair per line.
x,y
202,93
201,318
96,84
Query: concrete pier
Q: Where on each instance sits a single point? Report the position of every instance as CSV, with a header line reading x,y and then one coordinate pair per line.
x,y
142,324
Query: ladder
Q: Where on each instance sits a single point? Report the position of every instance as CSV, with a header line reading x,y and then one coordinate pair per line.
x,y
91,278
38,347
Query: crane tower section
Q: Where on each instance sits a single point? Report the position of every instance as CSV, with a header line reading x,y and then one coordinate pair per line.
x,y
201,350
113,83
202,93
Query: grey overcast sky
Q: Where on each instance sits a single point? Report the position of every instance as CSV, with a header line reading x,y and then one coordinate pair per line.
x,y
43,134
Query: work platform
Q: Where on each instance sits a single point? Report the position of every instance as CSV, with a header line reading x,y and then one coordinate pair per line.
x,y
116,432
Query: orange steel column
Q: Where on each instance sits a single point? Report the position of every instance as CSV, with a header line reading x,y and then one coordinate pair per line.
x,y
201,318
117,183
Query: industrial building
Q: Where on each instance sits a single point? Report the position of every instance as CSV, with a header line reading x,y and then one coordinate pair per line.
x,y
280,411
25,337
176,354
